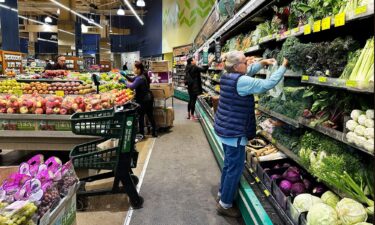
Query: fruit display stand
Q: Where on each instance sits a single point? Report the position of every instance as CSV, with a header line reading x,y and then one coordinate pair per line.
x,y
11,62
38,132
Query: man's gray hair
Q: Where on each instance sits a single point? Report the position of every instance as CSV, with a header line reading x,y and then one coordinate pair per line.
x,y
231,59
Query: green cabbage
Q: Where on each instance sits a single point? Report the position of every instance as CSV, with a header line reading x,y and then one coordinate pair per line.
x,y
362,223
304,202
330,199
351,212
322,214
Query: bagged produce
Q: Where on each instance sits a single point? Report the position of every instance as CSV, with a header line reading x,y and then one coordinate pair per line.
x,y
69,178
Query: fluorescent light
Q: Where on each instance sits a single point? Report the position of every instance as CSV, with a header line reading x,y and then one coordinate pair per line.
x,y
141,3
5,6
2,0
42,39
67,32
133,11
121,12
76,13
58,12
48,19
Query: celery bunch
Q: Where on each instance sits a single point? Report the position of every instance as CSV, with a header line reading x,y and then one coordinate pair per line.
x,y
364,68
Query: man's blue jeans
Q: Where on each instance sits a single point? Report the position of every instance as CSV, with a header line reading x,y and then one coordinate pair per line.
x,y
234,163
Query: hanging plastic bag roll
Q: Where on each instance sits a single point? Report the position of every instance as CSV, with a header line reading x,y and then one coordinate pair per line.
x,y
278,89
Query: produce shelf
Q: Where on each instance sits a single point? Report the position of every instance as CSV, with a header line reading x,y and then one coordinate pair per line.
x,y
353,86
337,135
252,49
295,158
34,117
46,80
288,73
279,116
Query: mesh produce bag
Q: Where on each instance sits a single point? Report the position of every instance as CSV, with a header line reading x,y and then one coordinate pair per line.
x,y
277,91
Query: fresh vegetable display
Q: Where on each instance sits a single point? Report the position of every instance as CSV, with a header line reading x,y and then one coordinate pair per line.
x,y
322,214
21,215
291,104
36,104
361,129
364,68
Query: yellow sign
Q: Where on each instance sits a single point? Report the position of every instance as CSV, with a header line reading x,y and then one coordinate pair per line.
x,y
287,33
317,26
257,179
295,30
60,93
307,29
360,10
340,19
326,23
305,77
267,193
351,83
322,79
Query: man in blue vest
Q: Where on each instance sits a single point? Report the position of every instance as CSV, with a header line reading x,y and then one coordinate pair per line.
x,y
235,119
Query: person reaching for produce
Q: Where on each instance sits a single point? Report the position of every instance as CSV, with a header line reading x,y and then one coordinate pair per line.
x,y
235,119
194,83
143,96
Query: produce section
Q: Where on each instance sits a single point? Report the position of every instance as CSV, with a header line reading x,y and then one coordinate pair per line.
x,y
314,152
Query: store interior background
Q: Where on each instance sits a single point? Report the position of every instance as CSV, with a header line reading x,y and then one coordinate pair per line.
x,y
167,23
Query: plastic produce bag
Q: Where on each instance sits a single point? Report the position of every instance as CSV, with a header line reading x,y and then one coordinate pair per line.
x,y
278,89
69,178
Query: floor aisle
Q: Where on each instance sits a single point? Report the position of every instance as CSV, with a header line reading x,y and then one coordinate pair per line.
x,y
181,179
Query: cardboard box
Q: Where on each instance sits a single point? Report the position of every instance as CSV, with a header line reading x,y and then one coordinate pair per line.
x,y
162,90
164,117
159,77
159,66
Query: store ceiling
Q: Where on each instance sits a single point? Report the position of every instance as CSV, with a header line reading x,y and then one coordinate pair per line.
x,y
45,7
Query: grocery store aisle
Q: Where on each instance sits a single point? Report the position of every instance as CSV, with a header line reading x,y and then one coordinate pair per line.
x,y
181,179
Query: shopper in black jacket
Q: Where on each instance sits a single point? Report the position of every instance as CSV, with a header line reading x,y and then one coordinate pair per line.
x,y
194,82
143,96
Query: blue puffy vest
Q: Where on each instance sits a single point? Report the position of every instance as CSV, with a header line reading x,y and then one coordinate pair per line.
x,y
235,116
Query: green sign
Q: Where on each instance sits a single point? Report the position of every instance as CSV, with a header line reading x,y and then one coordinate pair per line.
x,y
128,134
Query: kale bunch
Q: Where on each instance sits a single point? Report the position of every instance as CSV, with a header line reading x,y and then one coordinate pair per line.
x,y
269,54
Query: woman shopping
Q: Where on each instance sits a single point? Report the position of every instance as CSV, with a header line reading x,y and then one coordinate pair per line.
x,y
235,119
143,96
194,83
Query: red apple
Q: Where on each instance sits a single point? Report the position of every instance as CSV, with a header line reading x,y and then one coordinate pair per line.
x,y
49,111
10,110
63,111
39,111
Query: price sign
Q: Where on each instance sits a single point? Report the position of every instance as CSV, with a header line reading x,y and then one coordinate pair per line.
x,y
60,93
317,26
305,77
307,29
326,23
322,79
360,10
286,33
25,125
351,83
340,19
257,179
295,30
267,193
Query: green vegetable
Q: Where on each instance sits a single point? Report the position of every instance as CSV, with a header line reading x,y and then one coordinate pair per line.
x,y
330,199
322,214
304,202
365,63
351,212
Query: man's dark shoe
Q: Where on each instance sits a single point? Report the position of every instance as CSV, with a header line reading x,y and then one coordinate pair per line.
x,y
230,212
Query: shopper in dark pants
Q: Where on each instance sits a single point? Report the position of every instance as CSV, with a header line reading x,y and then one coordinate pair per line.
x,y
143,96
194,82
235,119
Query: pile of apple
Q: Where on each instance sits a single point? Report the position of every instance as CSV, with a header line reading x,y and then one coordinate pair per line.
x,y
55,73
36,104
71,88
36,87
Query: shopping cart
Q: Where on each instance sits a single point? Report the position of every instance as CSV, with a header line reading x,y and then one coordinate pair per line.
x,y
119,124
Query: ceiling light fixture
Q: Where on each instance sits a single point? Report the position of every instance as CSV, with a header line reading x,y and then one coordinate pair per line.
x,y
48,19
2,0
42,39
58,11
121,12
141,3
76,13
133,11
